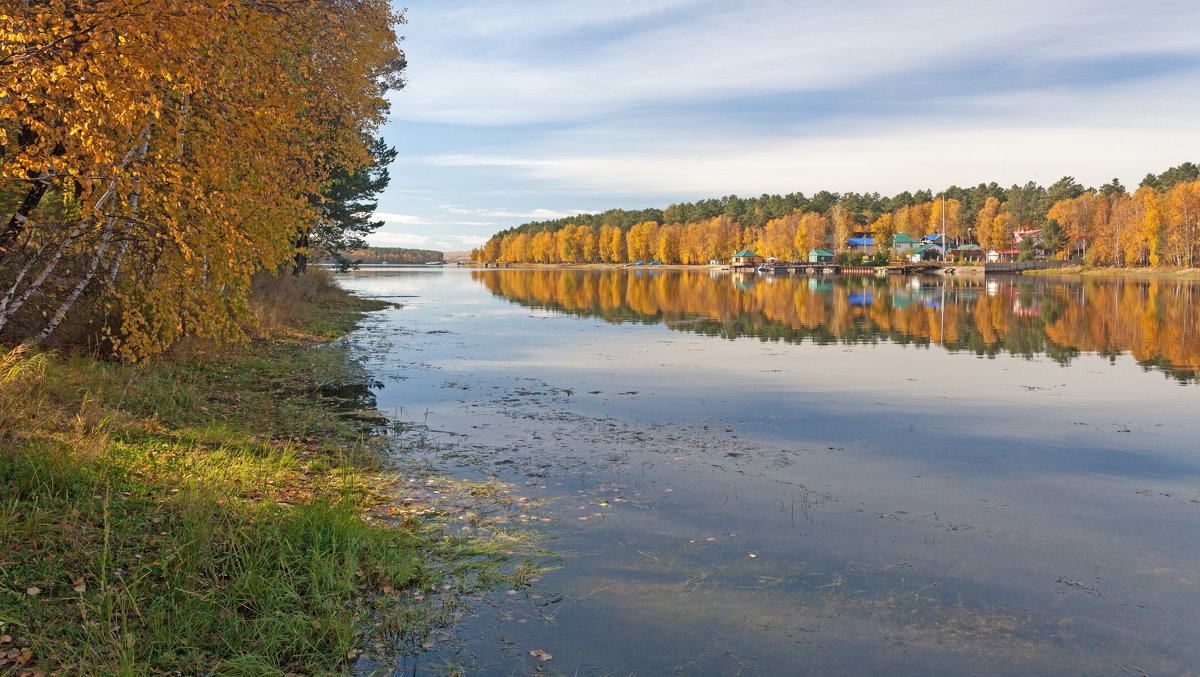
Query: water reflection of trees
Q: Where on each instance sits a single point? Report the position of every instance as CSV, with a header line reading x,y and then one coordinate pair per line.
x,y
1154,320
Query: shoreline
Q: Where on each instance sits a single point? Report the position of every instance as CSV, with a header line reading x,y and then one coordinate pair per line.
x,y
974,269
166,516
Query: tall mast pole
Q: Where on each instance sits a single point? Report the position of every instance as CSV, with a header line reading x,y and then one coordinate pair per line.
x,y
944,240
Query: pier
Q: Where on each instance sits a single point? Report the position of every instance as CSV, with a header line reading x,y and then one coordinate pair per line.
x,y
795,268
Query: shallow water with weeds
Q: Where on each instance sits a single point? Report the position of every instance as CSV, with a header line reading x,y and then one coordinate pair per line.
x,y
810,475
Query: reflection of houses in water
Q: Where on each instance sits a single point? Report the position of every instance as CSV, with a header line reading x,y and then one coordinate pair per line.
x,y
744,279
1027,308
987,316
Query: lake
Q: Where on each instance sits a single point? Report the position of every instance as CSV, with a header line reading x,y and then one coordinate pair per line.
x,y
828,475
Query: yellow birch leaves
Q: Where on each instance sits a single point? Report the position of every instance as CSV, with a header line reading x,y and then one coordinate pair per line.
x,y
247,106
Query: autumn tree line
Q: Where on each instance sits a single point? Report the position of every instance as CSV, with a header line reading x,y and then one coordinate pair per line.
x,y
154,156
1156,224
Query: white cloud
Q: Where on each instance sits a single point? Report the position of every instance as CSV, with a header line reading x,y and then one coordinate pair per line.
x,y
401,219
499,20
900,158
475,72
437,241
386,239
472,160
1091,133
463,241
537,214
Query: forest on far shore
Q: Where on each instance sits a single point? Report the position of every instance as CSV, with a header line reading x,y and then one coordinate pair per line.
x,y
377,255
1155,224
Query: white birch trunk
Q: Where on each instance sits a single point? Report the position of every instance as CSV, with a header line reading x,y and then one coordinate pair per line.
x,y
94,263
13,302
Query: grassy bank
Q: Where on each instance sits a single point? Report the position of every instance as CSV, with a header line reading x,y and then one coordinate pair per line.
x,y
209,511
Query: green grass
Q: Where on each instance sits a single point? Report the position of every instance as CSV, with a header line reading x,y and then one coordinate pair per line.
x,y
209,512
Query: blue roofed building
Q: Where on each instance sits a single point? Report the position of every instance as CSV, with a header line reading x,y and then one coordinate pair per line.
x,y
866,245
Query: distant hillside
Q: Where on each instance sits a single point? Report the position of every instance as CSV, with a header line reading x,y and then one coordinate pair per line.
x,y
395,255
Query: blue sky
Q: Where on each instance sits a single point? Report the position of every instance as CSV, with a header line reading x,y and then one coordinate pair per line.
x,y
516,111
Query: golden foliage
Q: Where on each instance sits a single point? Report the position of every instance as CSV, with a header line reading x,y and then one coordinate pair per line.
x,y
189,136
1147,227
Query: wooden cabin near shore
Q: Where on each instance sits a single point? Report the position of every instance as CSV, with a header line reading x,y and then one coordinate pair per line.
x,y
966,252
820,256
746,258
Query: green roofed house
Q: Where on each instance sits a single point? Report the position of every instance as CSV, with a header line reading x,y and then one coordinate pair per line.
x,y
746,258
925,252
903,244
820,256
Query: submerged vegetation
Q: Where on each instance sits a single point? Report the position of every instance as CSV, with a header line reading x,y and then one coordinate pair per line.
x,y
213,510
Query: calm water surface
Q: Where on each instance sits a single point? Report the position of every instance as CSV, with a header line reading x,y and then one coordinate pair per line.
x,y
817,476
